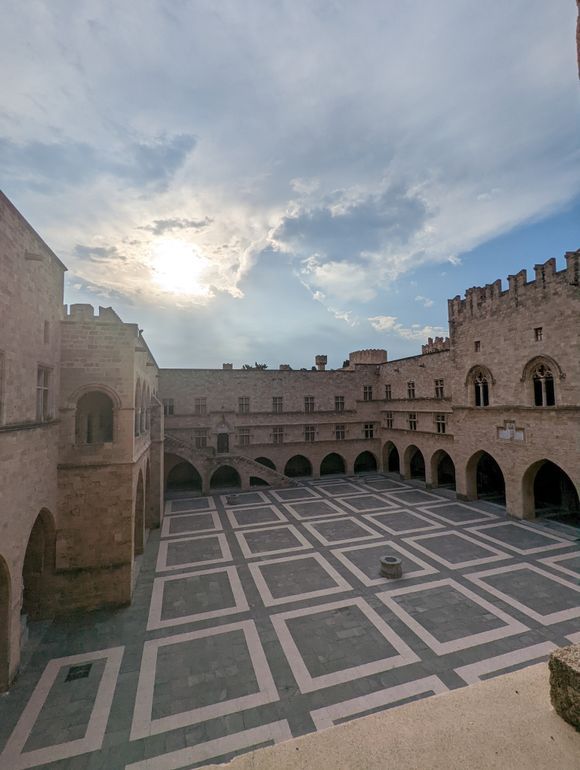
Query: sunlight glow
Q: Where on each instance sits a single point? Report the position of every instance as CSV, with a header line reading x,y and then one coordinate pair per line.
x,y
179,268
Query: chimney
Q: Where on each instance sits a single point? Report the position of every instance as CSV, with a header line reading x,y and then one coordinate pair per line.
x,y
229,367
320,362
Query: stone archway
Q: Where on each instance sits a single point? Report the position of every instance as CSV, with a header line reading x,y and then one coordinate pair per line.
x,y
415,462
332,463
366,462
485,479
391,459
182,476
5,604
225,477
298,466
139,520
443,470
38,565
266,462
548,491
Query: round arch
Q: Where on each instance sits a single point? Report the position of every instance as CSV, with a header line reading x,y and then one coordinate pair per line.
x,y
366,462
391,459
442,470
485,478
181,475
298,465
39,561
332,463
139,519
549,491
94,418
225,477
266,462
91,387
5,604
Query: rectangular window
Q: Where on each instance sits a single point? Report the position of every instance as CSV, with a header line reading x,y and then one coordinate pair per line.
x,y
477,346
200,438
388,420
410,389
244,436
538,333
243,405
339,432
339,403
412,421
200,406
439,388
368,393
369,430
278,434
42,394
277,404
441,423
46,332
309,432
168,407
388,392
308,404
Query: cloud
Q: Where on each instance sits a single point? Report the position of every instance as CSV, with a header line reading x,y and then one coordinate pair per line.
x,y
98,253
414,332
161,226
425,301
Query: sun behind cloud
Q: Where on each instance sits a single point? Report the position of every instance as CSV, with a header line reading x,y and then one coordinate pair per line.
x,y
179,268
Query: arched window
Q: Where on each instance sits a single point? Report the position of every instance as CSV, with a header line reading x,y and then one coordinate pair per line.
x,y
94,418
543,380
481,388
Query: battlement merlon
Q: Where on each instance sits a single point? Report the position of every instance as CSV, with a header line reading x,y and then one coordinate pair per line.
x,y
86,312
435,345
368,356
481,301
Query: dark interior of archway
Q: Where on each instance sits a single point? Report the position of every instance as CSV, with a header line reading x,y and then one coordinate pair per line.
x,y
267,462
4,627
555,495
417,465
225,477
490,481
332,463
182,477
255,481
393,460
446,472
33,570
94,418
298,466
365,463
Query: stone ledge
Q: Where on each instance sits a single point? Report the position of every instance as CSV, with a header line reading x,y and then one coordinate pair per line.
x,y
565,683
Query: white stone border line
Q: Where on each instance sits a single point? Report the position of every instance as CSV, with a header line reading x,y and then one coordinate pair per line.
x,y
308,494
424,568
269,601
209,507
546,620
496,554
554,562
431,510
474,672
560,542
144,725
356,489
249,554
162,565
274,732
308,683
397,532
240,495
231,514
510,628
336,511
382,504
155,608
13,758
397,494
311,526
166,526
328,716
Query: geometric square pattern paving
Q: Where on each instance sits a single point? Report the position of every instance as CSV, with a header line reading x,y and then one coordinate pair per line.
x,y
263,615
333,643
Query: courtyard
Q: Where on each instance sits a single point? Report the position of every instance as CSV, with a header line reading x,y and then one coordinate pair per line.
x,y
263,616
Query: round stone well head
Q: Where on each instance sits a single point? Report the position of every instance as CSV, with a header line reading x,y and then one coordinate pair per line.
x,y
391,567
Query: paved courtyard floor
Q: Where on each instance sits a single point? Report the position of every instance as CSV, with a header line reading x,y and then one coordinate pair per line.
x,y
255,622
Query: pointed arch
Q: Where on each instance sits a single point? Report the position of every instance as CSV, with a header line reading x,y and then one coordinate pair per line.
x,y
5,624
391,458
547,490
442,470
366,462
139,516
332,463
485,478
225,477
38,566
298,466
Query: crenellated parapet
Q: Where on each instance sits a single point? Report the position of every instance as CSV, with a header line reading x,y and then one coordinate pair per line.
x,y
368,356
86,312
435,345
488,300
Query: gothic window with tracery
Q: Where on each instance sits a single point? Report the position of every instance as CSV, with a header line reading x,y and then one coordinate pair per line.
x,y
481,386
543,379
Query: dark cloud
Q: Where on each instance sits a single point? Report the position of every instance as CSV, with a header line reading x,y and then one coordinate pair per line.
x,y
343,230
98,253
73,163
160,226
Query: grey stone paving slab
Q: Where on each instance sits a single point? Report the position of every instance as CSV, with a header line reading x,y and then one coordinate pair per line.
x,y
278,539
196,593
534,590
289,578
198,521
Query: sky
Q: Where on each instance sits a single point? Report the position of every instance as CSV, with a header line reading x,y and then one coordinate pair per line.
x,y
267,180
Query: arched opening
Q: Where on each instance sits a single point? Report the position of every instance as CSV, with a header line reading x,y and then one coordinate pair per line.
x,y
4,625
267,462
255,481
443,470
416,463
332,463
137,420
366,462
480,381
94,418
139,529
550,492
38,566
225,477
183,476
148,502
298,466
489,480
391,459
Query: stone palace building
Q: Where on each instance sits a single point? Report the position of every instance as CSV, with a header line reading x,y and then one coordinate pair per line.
x,y
93,434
